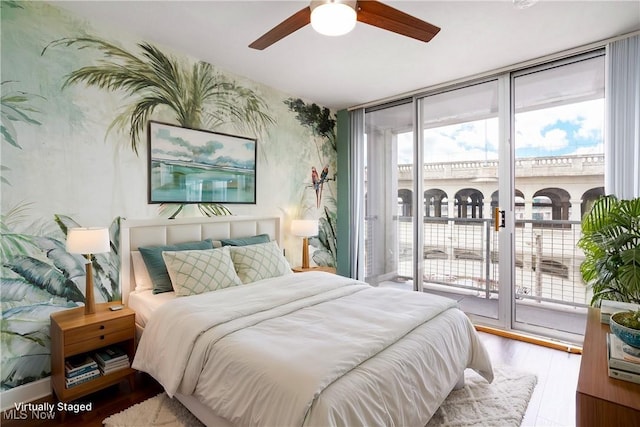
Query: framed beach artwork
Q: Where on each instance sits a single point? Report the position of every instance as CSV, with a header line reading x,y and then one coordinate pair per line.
x,y
198,166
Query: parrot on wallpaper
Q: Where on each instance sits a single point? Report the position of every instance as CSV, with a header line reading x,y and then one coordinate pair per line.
x,y
318,182
323,178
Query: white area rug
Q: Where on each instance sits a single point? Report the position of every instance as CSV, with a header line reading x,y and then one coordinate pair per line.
x,y
157,411
501,403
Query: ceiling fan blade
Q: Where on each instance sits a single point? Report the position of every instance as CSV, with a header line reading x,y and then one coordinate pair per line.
x,y
283,29
386,17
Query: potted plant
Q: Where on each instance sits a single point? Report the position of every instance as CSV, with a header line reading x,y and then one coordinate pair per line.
x,y
611,245
626,326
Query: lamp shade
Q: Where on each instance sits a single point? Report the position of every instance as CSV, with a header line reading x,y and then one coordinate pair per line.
x,y
304,227
90,240
333,17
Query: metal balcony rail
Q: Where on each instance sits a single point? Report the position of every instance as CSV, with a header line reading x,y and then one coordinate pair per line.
x,y
463,253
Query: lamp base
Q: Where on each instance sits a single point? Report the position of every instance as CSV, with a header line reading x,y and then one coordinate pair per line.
x,y
305,252
89,300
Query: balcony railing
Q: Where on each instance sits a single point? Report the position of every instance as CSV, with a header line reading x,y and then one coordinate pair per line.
x,y
463,253
575,165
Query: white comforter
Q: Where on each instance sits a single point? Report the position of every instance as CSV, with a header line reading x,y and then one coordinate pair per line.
x,y
312,349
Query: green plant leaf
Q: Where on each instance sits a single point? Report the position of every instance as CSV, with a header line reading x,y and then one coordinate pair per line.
x,y
45,277
610,241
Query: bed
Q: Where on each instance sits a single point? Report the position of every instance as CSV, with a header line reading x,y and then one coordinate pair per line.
x,y
307,349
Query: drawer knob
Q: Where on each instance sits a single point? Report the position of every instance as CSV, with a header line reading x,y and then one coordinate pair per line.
x,y
101,337
101,326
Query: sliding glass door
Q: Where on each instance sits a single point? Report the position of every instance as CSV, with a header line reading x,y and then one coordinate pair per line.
x,y
559,172
460,140
476,191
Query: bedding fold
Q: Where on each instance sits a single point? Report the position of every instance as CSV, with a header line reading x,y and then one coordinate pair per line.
x,y
290,342
177,326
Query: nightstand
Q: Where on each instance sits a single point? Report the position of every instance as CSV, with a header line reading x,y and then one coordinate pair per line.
x,y
600,399
314,268
73,332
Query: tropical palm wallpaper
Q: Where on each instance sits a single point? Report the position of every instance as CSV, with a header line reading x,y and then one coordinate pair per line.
x,y
76,98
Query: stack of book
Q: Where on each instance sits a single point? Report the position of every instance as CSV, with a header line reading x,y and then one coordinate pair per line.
x,y
623,360
80,369
111,359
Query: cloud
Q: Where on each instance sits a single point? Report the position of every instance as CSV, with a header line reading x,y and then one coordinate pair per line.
x,y
564,129
569,129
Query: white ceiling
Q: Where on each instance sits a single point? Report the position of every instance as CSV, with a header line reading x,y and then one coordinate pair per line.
x,y
367,64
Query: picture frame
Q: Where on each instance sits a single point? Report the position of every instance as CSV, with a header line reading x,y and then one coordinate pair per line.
x,y
199,166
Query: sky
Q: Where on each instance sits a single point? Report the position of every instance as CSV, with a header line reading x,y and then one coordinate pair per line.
x,y
175,143
563,130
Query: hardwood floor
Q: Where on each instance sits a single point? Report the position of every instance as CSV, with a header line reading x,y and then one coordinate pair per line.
x,y
552,403
106,402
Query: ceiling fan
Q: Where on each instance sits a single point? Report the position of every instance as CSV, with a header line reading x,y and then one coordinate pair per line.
x,y
370,12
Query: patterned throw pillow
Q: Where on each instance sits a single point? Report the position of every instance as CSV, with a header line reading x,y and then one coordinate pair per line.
x,y
152,256
195,272
256,262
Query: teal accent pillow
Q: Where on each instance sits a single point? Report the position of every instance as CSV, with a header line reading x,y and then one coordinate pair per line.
x,y
152,256
245,241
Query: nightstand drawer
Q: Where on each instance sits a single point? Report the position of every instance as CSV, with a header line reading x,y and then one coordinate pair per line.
x,y
97,342
97,330
73,332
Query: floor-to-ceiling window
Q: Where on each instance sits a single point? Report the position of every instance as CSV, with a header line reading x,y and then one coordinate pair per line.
x,y
558,139
389,193
476,192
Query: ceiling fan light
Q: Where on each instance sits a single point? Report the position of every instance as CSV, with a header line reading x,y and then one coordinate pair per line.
x,y
524,4
333,19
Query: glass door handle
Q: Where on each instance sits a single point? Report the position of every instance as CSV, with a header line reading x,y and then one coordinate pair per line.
x,y
498,219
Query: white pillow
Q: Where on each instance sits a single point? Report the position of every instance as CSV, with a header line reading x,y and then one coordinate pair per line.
x,y
260,261
140,272
197,271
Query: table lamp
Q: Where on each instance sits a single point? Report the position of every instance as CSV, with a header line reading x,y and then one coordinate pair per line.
x,y
88,241
304,228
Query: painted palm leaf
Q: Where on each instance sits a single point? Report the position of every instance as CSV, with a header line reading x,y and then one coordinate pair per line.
x,y
325,241
26,342
29,319
18,292
25,358
45,277
25,368
71,266
15,243
65,223
12,243
105,266
198,96
213,209
15,106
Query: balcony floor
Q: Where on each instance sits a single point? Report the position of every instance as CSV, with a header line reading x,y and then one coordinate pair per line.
x,y
553,317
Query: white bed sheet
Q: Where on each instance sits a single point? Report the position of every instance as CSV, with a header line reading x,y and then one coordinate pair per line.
x,y
144,303
417,373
